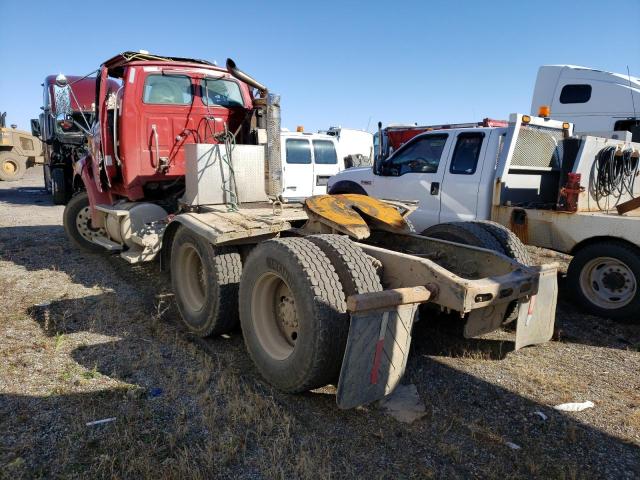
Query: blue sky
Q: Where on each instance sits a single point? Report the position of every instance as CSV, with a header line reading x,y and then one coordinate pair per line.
x,y
334,63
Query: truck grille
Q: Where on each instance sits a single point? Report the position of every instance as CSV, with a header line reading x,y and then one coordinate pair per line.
x,y
538,147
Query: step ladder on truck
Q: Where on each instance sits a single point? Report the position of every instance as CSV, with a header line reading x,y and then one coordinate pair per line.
x,y
185,165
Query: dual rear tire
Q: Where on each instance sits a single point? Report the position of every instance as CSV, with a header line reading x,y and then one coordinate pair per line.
x,y
289,297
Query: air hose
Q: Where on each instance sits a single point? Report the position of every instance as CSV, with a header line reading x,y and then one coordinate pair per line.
x,y
614,175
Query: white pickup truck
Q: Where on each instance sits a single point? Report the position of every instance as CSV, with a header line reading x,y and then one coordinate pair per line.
x,y
520,177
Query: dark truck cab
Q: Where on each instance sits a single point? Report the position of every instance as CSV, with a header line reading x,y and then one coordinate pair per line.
x,y
67,114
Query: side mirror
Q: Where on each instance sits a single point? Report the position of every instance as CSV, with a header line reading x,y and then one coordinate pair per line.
x,y
35,127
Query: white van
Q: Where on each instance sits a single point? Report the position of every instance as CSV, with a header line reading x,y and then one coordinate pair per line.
x,y
593,100
355,147
309,159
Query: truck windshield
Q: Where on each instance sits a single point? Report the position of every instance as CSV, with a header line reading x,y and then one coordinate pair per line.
x,y
324,152
226,93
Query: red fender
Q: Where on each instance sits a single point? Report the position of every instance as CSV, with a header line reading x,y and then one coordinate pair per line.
x,y
83,168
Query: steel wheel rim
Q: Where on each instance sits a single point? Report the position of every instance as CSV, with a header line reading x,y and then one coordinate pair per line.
x,y
608,282
9,167
192,279
83,225
274,316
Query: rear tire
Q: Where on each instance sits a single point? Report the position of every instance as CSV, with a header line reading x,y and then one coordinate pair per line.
x,y
59,190
77,224
292,311
508,240
513,248
205,280
12,166
467,233
355,271
604,280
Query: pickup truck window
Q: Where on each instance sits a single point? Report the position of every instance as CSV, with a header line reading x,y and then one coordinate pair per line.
x,y
298,151
226,93
324,152
466,153
419,156
167,90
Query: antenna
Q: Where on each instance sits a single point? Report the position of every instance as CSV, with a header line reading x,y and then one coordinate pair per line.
x,y
633,103
368,123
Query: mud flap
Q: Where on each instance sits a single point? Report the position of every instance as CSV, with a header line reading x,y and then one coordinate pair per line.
x,y
537,316
484,320
376,354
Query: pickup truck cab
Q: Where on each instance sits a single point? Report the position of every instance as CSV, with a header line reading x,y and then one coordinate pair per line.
x,y
448,172
535,178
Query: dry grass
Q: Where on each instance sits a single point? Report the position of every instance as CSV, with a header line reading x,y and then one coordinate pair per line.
x,y
88,337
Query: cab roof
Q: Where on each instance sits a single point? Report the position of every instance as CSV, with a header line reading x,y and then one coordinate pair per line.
x,y
116,64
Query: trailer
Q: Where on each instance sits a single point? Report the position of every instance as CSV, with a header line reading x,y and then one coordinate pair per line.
x,y
185,166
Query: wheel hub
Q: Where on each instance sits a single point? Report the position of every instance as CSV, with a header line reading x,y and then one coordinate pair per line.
x,y
83,224
275,315
608,282
287,316
9,167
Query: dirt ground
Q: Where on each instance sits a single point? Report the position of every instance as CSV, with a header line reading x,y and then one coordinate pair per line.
x,y
88,337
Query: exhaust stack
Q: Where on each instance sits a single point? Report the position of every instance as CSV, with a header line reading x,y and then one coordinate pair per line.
x,y
271,105
249,80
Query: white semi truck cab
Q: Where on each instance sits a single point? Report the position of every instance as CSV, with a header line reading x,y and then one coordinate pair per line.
x,y
595,101
553,189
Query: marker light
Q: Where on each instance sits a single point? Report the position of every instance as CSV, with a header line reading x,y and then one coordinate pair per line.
x,y
526,118
565,125
544,111
300,128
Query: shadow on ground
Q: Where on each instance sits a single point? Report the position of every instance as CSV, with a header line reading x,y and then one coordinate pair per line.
x,y
465,433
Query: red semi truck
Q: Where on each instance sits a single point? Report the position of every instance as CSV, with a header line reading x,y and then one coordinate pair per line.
x,y
184,163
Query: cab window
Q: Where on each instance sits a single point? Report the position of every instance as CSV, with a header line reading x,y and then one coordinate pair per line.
x,y
167,90
422,155
324,152
225,93
298,151
580,93
466,153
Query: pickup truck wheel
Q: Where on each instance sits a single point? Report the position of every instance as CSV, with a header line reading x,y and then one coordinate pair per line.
x,y
345,186
467,233
77,224
604,279
205,280
478,235
508,240
292,312
12,166
58,186
513,248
